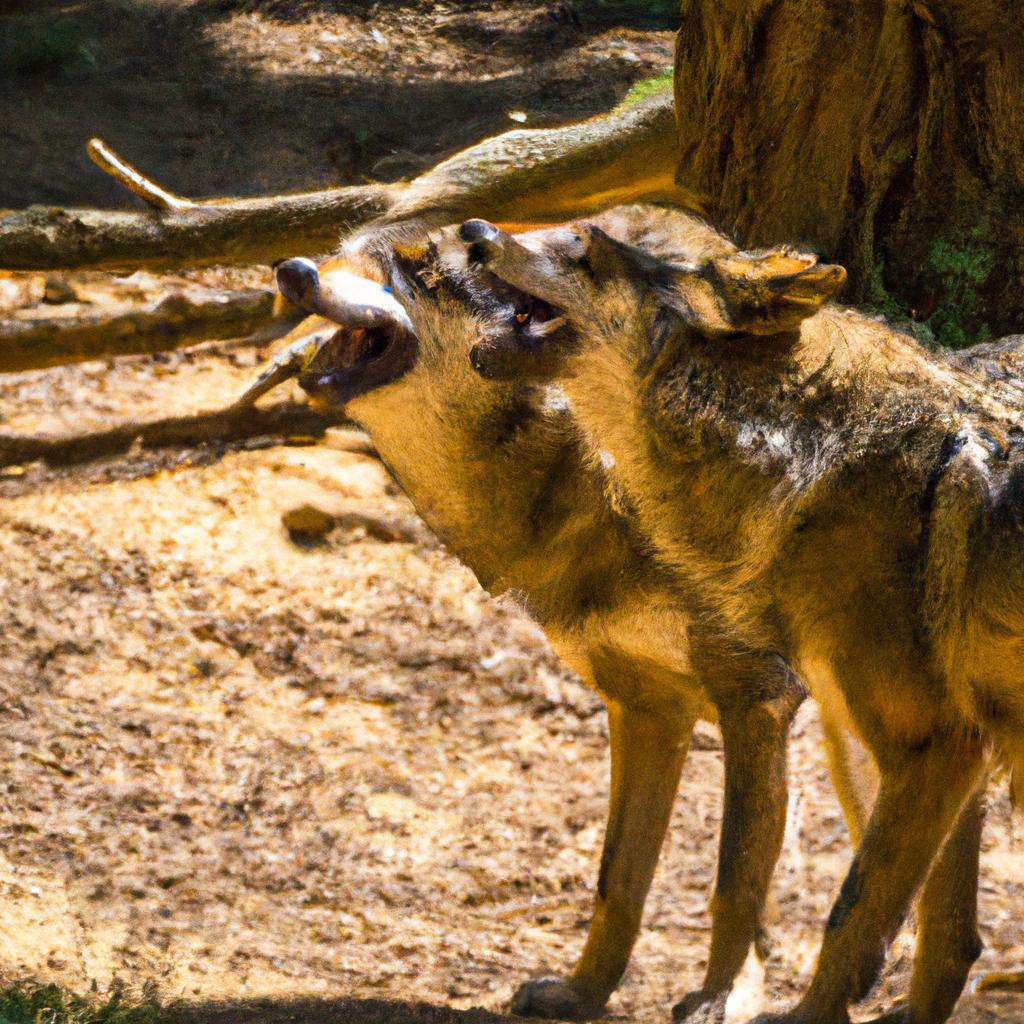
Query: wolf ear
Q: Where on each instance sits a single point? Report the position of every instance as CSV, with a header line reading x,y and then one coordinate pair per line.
x,y
771,292
606,257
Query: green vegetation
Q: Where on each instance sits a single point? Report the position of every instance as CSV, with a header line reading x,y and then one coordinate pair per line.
x,y
961,263
879,300
648,86
44,47
958,265
33,1003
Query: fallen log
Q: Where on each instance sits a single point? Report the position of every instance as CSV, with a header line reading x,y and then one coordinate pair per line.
x,y
236,423
180,319
526,175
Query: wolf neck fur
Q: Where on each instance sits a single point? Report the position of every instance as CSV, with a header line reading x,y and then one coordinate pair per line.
x,y
498,476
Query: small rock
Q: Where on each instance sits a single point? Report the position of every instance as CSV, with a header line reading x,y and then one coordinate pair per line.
x,y
385,530
58,290
308,524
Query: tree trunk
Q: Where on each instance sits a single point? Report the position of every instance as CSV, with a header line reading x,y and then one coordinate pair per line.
x,y
884,134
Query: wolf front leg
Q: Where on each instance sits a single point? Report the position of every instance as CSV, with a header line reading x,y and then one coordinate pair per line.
x,y
921,795
755,714
648,749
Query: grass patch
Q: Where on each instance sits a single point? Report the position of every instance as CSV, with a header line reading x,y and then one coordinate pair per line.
x,y
33,1003
661,82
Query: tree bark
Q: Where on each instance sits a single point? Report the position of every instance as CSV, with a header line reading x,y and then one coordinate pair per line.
x,y
257,230
181,319
883,134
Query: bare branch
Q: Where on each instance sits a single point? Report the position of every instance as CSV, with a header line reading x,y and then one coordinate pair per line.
x,y
119,168
181,319
254,230
530,176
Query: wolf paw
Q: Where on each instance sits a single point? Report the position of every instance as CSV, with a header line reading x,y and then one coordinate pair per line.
x,y
700,1008
555,999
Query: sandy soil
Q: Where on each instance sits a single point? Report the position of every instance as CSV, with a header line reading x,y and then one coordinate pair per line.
x,y
250,767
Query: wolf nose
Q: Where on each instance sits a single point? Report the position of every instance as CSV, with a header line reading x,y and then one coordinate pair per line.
x,y
298,281
478,231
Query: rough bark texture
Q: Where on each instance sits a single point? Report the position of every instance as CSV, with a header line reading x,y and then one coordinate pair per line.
x,y
178,320
230,231
885,134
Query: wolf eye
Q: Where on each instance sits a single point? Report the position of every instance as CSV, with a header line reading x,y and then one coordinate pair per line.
x,y
522,317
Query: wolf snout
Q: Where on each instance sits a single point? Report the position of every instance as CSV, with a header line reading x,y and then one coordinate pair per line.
x,y
477,230
298,280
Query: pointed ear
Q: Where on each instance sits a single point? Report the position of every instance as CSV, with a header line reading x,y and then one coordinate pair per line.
x,y
771,292
606,257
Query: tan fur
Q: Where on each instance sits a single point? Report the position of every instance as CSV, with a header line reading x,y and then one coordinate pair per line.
x,y
831,491
532,513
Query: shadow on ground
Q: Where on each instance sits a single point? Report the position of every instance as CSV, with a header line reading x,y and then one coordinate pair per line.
x,y
218,97
988,1008
330,1011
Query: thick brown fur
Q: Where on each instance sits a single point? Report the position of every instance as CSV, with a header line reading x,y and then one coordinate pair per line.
x,y
504,477
831,491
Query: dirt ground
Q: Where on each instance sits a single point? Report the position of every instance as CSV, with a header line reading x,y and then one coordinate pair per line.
x,y
334,780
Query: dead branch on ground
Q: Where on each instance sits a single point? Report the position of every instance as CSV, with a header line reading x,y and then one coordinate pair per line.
x,y
181,319
220,427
